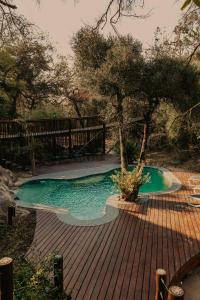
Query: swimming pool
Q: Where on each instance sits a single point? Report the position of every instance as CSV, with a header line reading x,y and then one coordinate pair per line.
x,y
85,197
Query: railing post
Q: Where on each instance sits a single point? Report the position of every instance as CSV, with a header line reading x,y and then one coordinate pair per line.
x,y
70,138
175,293
58,272
11,214
160,279
0,286
6,278
104,138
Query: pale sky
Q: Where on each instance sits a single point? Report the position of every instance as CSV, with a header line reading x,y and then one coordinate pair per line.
x,y
62,18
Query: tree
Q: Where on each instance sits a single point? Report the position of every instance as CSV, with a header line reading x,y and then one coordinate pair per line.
x,y
184,41
166,79
28,74
110,67
23,73
190,3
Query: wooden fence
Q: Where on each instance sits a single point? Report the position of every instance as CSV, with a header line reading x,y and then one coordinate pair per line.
x,y
55,139
50,139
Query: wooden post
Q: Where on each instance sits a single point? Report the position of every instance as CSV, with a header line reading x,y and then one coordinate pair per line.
x,y
160,288
6,285
104,138
175,293
0,286
11,214
58,272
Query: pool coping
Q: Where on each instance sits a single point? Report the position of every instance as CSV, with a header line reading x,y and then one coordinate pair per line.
x,y
112,202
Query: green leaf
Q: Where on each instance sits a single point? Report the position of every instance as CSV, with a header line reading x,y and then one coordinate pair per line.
x,y
186,3
197,2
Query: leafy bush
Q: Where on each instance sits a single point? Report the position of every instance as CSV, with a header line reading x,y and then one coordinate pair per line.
x,y
129,182
46,111
35,283
180,131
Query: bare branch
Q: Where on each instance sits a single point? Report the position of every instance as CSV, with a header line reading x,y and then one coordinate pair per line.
x,y
193,53
7,4
120,8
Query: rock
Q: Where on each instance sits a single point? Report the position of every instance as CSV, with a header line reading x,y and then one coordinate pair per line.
x,y
7,181
6,199
7,177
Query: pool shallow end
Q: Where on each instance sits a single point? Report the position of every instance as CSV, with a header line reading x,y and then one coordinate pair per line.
x,y
111,214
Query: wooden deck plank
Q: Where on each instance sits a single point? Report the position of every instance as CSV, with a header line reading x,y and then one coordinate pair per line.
x,y
90,269
139,292
92,281
71,278
115,293
109,283
154,249
111,252
126,282
149,254
118,260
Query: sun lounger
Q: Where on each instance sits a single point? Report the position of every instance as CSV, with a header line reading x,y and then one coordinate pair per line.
x,y
195,197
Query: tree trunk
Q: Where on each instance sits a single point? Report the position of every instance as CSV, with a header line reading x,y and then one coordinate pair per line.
x,y
123,154
32,158
13,109
77,110
147,130
142,156
122,141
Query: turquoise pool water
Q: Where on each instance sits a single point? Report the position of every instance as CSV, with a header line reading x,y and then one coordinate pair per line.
x,y
84,197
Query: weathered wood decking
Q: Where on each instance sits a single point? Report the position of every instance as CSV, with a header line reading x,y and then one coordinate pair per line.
x,y
118,260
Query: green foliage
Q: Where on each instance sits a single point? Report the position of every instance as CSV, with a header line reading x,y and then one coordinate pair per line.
x,y
120,71
46,111
189,2
90,48
165,78
129,182
180,130
183,40
106,65
35,282
29,77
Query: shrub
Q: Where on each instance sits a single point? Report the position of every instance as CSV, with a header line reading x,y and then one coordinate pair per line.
x,y
46,111
129,182
35,282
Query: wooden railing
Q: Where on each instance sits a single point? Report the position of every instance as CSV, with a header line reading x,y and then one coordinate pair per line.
x,y
16,128
50,139
54,139
163,292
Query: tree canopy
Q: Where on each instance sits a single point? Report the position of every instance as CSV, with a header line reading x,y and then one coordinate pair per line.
x,y
28,74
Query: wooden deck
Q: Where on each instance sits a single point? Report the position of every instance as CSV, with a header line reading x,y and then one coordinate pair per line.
x,y
118,260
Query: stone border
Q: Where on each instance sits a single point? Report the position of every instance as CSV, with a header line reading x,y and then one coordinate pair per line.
x,y
112,203
49,208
